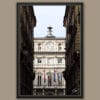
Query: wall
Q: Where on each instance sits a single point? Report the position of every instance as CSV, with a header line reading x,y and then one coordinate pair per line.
x,y
49,65
54,43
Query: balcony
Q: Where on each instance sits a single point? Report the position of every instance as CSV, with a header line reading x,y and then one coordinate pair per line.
x,y
49,87
49,66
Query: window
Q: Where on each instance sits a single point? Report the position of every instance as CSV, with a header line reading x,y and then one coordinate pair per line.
x,y
39,60
49,75
59,46
39,46
50,61
59,79
59,60
39,80
49,80
78,15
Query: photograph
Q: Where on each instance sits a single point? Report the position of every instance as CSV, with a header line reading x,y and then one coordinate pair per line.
x,y
49,50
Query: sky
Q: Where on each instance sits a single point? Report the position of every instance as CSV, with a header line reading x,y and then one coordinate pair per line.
x,y
49,16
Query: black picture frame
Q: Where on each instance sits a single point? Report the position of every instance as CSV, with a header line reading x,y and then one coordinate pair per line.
x,y
81,55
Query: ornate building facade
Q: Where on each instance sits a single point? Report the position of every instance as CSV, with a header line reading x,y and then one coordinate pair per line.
x,y
49,63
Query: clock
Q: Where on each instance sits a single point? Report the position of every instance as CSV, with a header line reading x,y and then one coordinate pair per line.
x,y
50,46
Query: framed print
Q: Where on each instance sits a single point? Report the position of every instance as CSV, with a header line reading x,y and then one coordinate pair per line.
x,y
49,50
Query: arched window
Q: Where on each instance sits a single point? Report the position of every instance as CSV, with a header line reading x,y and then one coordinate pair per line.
x,y
39,60
39,79
59,78
49,79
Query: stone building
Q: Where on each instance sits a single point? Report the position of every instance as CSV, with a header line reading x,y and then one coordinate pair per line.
x,y
49,63
72,71
25,25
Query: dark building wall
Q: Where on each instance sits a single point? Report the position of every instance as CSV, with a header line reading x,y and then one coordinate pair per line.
x,y
26,23
72,72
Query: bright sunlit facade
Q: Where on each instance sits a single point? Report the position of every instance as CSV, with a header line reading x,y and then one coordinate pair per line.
x,y
49,63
